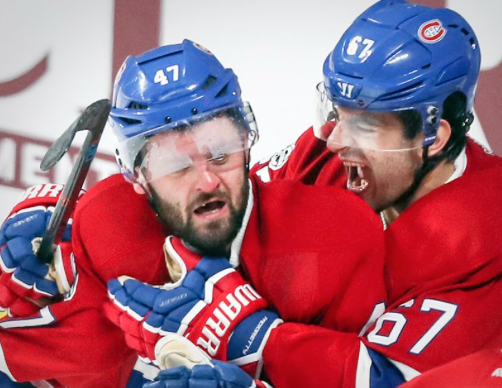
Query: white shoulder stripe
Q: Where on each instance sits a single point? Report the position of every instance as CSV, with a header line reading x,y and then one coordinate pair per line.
x,y
364,364
363,368
44,319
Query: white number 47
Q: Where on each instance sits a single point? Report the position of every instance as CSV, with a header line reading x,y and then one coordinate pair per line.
x,y
161,76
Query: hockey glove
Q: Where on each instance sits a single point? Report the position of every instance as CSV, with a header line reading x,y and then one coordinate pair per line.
x,y
218,375
26,284
210,305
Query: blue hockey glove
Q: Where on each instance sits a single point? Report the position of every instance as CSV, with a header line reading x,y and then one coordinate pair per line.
x,y
218,375
211,305
26,284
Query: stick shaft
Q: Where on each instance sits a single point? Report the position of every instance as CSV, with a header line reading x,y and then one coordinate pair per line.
x,y
93,120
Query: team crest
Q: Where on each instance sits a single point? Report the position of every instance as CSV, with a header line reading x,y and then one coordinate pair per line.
x,y
431,31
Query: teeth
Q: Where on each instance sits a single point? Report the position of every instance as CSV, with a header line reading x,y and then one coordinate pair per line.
x,y
355,183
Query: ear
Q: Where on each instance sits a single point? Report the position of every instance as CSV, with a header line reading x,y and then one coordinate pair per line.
x,y
138,185
139,189
442,137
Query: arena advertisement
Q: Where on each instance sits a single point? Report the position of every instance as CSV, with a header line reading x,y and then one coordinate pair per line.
x,y
59,56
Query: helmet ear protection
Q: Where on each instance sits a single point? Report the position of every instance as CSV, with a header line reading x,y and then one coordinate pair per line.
x,y
399,56
168,88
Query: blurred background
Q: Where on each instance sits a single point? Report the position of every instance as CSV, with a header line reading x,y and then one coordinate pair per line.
x,y
59,56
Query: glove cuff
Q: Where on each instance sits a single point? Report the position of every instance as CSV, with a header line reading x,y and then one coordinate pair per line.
x,y
63,269
174,350
249,338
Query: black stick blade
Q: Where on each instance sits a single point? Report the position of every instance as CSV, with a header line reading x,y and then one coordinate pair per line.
x,y
92,119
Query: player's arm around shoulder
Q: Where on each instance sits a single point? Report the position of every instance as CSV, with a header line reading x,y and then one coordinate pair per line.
x,y
302,160
351,238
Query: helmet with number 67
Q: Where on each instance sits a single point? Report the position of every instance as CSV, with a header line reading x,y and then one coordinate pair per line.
x,y
399,56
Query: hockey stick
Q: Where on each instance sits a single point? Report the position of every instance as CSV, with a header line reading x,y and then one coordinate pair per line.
x,y
93,119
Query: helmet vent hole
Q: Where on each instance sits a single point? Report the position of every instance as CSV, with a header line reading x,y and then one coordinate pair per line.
x,y
130,121
426,66
401,92
464,31
208,82
351,75
135,105
222,92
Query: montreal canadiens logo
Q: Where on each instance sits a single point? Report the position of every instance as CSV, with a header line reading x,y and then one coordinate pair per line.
x,y
431,31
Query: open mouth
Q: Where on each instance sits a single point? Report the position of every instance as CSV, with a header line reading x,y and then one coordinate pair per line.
x,y
356,180
210,207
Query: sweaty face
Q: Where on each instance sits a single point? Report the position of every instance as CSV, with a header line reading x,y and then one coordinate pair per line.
x,y
379,160
203,203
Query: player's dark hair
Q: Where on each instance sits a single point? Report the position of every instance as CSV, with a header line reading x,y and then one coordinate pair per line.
x,y
454,112
412,122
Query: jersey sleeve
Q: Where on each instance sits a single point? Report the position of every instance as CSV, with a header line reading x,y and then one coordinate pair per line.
x,y
298,355
70,341
307,160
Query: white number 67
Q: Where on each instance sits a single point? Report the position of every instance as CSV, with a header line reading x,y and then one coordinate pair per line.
x,y
354,46
400,321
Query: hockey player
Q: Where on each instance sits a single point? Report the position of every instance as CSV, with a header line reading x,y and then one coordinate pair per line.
x,y
394,107
312,254
441,195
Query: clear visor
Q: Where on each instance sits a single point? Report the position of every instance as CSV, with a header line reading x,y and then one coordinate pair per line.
x,y
364,129
213,141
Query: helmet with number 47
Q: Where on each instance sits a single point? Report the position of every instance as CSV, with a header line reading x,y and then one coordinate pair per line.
x,y
173,88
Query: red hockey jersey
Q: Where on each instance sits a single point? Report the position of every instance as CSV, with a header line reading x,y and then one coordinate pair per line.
x,y
443,272
478,370
315,253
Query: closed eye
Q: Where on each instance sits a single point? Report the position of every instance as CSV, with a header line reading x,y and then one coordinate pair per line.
x,y
220,159
365,129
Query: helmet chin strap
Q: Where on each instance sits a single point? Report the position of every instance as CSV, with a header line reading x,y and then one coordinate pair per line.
x,y
427,166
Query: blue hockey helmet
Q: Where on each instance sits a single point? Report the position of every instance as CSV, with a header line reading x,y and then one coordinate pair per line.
x,y
167,88
400,56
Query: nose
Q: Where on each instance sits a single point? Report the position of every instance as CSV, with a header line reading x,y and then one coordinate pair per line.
x,y
207,180
335,141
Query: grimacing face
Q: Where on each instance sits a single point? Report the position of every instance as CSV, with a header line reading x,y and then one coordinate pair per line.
x,y
204,203
385,167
